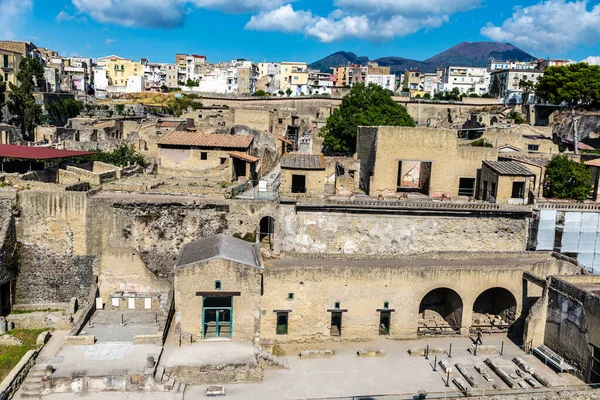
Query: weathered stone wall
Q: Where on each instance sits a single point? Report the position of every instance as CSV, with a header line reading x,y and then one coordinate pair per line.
x,y
362,286
54,266
234,277
349,233
8,243
573,321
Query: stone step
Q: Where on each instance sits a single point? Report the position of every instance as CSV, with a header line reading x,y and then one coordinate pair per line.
x,y
37,372
158,374
31,395
32,379
169,384
32,388
176,386
182,387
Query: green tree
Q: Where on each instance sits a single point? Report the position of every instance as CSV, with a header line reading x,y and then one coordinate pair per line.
x,y
180,105
574,85
164,88
120,156
364,106
281,93
516,117
567,179
495,89
527,88
191,83
21,103
60,111
427,96
481,143
288,91
120,109
260,93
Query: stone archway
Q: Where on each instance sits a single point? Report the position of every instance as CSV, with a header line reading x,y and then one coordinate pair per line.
x,y
440,311
266,230
495,308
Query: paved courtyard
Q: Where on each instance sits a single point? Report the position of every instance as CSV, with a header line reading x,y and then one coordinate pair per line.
x,y
346,375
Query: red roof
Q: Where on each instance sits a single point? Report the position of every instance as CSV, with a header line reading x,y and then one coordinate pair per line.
x,y
38,153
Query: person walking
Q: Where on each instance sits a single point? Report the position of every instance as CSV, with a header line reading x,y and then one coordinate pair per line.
x,y
479,333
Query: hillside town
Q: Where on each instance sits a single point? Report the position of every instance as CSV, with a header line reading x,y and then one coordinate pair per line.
x,y
254,230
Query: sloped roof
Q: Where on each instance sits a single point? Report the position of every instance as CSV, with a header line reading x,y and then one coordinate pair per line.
x,y
183,138
38,153
170,124
508,168
593,163
244,156
536,161
303,161
223,247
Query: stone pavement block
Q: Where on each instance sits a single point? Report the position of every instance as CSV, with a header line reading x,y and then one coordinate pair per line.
x,y
371,353
316,353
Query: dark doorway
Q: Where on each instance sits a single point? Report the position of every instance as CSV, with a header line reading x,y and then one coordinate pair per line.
x,y
595,365
216,317
282,323
266,230
336,324
414,176
298,184
384,322
442,308
239,168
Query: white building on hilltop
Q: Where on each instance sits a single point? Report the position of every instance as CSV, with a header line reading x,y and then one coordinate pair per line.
x,y
467,79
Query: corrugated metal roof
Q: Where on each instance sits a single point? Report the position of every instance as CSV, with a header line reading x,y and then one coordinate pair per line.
x,y
38,153
537,161
303,161
244,156
183,138
508,168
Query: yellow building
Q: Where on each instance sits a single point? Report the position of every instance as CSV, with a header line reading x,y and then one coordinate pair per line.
x,y
9,66
303,174
119,70
294,75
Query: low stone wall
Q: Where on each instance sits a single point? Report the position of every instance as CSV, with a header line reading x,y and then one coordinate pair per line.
x,y
148,339
67,177
41,320
17,375
221,374
79,340
47,175
95,178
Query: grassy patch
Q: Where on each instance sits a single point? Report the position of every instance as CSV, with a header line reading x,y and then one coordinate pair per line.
x,y
11,355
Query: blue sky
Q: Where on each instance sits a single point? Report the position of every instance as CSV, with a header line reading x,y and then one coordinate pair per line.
x,y
301,30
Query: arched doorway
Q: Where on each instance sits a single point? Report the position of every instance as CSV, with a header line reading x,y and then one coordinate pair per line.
x,y
495,309
440,312
266,230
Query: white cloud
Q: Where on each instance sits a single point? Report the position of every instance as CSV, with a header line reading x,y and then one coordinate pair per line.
x,y
552,26
282,19
64,16
354,19
407,8
595,60
109,41
11,17
163,13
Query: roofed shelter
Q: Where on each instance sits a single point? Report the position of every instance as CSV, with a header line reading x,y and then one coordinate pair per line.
x,y
36,153
303,174
218,283
506,181
194,152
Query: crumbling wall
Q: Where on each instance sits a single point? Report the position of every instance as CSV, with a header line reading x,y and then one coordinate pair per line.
x,y
8,243
53,266
343,233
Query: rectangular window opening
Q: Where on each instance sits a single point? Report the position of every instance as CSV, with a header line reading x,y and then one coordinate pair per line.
x,y
282,323
204,155
217,285
336,323
518,190
466,187
298,184
222,160
337,305
533,147
290,296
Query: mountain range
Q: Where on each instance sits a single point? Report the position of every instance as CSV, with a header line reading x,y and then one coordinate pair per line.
x,y
466,54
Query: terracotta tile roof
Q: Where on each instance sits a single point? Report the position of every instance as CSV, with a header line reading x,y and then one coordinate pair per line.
x,y
593,163
38,153
581,146
170,124
183,138
508,168
303,161
244,156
